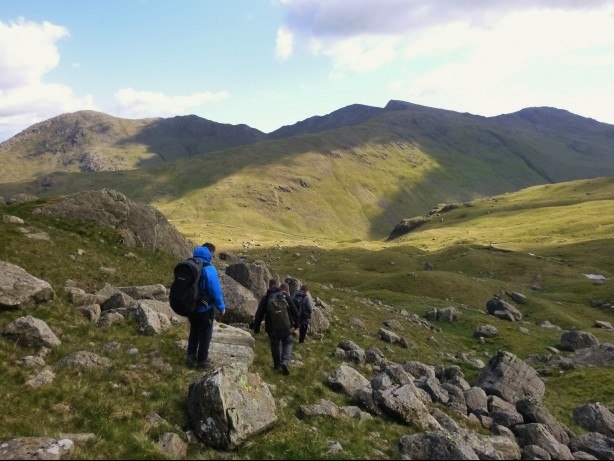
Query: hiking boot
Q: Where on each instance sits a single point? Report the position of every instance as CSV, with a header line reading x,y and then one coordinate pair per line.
x,y
277,367
205,365
285,369
190,361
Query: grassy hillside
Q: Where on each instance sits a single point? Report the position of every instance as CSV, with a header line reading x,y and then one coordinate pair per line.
x,y
93,141
371,280
353,182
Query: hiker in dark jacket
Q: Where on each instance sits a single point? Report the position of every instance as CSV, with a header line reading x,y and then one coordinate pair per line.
x,y
201,321
280,332
304,304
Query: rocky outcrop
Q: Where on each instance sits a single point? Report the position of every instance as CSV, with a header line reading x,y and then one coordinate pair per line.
x,y
18,289
538,434
435,445
508,377
229,405
533,411
151,322
486,331
139,225
598,356
594,443
447,314
347,380
31,332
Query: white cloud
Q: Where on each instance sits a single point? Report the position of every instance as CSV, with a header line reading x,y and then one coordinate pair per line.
x,y
478,56
140,104
28,51
284,44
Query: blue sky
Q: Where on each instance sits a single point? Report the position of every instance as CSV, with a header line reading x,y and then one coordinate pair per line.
x,y
269,63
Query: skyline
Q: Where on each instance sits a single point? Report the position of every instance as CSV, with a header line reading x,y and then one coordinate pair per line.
x,y
273,63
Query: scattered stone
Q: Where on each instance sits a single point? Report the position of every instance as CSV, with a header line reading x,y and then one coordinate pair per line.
x,y
31,332
43,378
84,360
347,380
8,219
435,445
594,443
517,297
603,324
109,318
502,309
537,434
356,324
486,331
31,361
19,290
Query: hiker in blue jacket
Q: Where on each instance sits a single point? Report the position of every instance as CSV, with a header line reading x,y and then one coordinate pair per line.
x,y
201,322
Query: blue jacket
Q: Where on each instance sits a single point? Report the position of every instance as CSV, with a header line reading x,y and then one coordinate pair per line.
x,y
210,282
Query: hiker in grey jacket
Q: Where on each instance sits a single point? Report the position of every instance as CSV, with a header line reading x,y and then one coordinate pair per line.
x,y
304,303
280,336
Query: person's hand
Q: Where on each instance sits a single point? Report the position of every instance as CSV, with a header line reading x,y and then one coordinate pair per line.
x,y
223,312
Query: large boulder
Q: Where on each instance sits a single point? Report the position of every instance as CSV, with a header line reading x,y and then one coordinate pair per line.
x,y
157,292
575,340
241,302
254,276
320,320
18,289
36,448
596,418
403,403
139,225
508,377
229,405
31,332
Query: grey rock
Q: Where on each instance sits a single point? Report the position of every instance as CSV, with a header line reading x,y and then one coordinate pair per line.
x,y
19,290
320,321
594,443
574,340
596,418
356,324
603,324
434,389
502,309
517,297
537,434
231,345
31,332
435,445
599,356
403,404
582,455
535,452
506,417
533,411
322,408
393,324
44,378
109,318
172,446
241,301
228,406
8,219
347,380
254,276
157,292
31,361
508,377
84,360
91,312
150,321
419,369
476,401
486,331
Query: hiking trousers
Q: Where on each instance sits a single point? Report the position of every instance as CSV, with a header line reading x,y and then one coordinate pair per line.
x,y
281,350
302,333
201,330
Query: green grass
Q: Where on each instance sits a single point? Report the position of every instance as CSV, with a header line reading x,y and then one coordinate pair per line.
x,y
372,280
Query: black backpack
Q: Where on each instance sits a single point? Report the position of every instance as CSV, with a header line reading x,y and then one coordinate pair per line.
x,y
277,315
185,295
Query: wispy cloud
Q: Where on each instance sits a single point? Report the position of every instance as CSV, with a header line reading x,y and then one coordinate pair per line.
x,y
284,44
132,103
28,51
